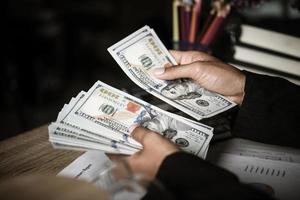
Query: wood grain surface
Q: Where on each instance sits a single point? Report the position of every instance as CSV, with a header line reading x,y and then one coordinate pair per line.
x,y
31,153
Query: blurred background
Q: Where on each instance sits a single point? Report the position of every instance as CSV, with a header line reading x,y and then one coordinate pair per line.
x,y
54,49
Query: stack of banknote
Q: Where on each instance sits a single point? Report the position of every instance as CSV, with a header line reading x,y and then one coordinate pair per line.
x,y
101,117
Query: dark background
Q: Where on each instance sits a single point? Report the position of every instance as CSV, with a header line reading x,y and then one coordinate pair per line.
x,y
54,49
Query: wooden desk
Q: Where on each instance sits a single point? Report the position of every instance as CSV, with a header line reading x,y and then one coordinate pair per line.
x,y
31,152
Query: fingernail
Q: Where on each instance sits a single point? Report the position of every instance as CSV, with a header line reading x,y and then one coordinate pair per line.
x,y
159,71
132,127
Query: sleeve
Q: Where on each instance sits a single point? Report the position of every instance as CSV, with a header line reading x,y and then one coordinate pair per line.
x,y
270,111
186,176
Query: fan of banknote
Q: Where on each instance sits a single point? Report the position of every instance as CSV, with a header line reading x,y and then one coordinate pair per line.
x,y
100,118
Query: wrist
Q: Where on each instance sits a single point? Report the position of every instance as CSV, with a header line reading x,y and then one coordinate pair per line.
x,y
241,84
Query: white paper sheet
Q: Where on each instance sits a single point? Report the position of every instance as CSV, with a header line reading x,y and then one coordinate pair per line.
x,y
272,168
282,179
88,166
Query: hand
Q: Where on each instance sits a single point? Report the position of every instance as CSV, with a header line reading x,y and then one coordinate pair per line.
x,y
208,72
155,149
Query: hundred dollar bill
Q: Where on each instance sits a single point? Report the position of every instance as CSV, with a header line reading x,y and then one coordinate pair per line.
x,y
65,121
141,52
59,133
103,128
110,112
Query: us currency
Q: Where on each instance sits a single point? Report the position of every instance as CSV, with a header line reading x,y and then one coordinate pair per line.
x,y
104,114
104,129
65,135
73,133
142,52
117,111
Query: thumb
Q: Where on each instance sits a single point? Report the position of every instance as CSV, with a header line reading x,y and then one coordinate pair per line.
x,y
179,71
140,133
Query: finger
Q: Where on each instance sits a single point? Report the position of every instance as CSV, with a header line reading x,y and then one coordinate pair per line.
x,y
177,55
168,65
181,71
115,157
186,57
140,134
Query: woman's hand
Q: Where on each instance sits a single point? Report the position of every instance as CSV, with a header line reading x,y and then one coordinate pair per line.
x,y
208,72
155,149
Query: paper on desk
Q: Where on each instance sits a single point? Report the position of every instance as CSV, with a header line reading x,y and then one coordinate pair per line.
x,y
250,148
282,179
273,168
88,166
